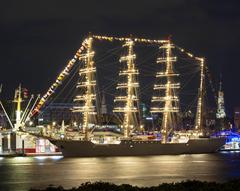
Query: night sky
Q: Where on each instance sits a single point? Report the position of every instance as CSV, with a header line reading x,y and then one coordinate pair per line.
x,y
37,38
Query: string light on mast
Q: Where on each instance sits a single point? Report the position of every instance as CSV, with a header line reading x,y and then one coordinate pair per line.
x,y
87,99
59,79
124,39
130,100
199,113
168,104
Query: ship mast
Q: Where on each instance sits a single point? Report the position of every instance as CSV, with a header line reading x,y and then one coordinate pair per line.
x,y
18,100
87,87
167,104
130,88
199,113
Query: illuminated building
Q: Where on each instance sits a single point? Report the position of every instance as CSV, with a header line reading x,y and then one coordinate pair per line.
x,y
220,110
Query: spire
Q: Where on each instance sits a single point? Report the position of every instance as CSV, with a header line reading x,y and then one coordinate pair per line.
x,y
220,108
220,83
103,104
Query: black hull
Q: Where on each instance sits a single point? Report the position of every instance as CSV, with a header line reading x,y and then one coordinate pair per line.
x,y
72,148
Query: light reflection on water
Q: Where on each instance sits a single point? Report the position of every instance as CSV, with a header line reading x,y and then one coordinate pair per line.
x,y
21,173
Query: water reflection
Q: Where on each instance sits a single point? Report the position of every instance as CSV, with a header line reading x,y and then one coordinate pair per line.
x,y
21,173
48,157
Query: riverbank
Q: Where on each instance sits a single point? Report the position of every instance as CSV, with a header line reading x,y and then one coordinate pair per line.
x,y
195,185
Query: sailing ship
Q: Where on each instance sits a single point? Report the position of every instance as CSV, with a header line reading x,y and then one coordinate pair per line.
x,y
130,140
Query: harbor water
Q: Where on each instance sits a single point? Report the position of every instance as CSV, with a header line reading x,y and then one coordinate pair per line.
x,y
23,173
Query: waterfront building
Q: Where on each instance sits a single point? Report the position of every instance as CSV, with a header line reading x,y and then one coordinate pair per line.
x,y
237,117
220,107
57,112
220,115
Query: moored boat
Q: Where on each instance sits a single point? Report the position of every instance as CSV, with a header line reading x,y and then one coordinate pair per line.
x,y
76,148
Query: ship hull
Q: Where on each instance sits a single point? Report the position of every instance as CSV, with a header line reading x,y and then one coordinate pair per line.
x,y
72,148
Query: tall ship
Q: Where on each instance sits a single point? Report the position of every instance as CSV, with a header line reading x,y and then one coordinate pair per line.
x,y
94,137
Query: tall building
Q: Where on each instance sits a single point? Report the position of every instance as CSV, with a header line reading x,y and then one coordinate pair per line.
x,y
103,104
237,117
220,110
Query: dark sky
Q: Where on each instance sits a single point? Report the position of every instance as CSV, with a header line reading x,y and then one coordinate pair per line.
x,y
38,37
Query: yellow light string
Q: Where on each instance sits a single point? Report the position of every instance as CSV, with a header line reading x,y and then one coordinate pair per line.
x,y
141,40
59,79
206,69
201,59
